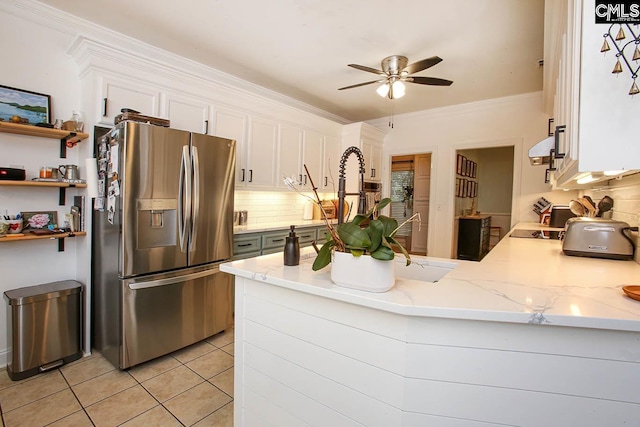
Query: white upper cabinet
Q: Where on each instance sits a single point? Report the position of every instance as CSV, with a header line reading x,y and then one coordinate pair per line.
x,y
233,125
117,93
289,148
261,150
332,154
312,149
187,113
369,140
591,103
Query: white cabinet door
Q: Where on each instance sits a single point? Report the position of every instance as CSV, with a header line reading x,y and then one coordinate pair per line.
x,y
312,157
117,94
289,147
233,125
332,154
261,149
187,113
372,152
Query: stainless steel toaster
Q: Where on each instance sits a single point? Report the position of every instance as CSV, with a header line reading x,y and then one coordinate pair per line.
x,y
598,238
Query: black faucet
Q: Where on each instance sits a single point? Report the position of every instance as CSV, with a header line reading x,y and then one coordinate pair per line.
x,y
341,183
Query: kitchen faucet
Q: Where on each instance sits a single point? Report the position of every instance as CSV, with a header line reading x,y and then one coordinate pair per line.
x,y
341,183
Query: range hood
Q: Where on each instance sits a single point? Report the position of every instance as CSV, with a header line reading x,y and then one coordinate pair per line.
x,y
540,154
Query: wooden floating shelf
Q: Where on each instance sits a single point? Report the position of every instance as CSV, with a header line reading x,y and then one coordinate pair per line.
x,y
27,236
30,130
41,184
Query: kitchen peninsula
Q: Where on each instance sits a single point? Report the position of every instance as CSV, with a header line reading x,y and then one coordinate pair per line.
x,y
528,336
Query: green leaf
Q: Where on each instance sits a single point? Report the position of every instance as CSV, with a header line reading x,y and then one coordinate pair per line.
x,y
383,203
357,220
357,252
324,256
353,236
375,230
397,244
389,224
384,253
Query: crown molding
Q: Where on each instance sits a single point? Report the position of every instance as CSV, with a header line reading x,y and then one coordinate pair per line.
x,y
149,57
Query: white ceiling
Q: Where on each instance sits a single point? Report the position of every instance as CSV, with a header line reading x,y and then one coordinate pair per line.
x,y
301,48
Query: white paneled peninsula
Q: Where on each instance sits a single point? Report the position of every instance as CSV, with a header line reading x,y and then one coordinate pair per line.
x,y
524,337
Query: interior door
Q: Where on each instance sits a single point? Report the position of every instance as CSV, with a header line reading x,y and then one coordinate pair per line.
x,y
211,234
421,191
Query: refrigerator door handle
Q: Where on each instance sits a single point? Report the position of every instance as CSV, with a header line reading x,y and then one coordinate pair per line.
x,y
196,198
172,280
184,198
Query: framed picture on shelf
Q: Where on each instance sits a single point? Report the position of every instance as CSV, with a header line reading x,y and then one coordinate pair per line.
x,y
467,168
460,164
474,191
39,220
23,106
474,167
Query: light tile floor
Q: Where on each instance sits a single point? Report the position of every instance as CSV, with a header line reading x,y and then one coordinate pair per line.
x,y
191,387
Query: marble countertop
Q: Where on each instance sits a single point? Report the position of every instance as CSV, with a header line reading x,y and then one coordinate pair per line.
x,y
520,280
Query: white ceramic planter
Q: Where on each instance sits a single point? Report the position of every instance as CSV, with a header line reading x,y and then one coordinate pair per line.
x,y
363,272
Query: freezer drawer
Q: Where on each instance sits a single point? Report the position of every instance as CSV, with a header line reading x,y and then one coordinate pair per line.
x,y
167,312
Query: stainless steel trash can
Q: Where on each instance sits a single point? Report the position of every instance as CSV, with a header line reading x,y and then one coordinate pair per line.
x,y
44,327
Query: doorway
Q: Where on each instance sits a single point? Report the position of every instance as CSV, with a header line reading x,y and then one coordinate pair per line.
x,y
410,191
484,187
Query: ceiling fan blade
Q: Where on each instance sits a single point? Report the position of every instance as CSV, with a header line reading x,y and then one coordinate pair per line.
x,y
433,81
359,84
422,65
367,69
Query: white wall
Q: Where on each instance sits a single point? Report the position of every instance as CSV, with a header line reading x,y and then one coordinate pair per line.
x,y
516,121
35,60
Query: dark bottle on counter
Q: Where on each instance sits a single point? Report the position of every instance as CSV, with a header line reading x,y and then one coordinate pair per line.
x,y
292,248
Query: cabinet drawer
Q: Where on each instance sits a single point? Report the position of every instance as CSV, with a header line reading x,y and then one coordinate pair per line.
x,y
246,243
306,236
273,240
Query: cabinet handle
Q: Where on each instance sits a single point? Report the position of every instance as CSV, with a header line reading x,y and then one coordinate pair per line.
x,y
559,130
250,175
242,179
300,179
325,181
206,127
104,107
305,179
243,245
549,133
373,172
305,236
277,240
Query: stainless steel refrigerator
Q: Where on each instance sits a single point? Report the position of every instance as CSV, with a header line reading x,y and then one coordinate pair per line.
x,y
160,231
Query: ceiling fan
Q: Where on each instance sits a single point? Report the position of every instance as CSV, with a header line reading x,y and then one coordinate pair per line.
x,y
395,72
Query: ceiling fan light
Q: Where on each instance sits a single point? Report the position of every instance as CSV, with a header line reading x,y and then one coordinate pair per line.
x,y
383,90
398,89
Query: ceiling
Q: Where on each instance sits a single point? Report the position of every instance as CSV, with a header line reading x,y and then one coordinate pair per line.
x,y
301,48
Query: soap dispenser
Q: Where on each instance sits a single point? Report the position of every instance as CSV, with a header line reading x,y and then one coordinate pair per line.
x,y
292,248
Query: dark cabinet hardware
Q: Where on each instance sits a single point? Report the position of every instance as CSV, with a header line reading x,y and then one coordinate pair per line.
x,y
242,178
206,127
104,107
250,175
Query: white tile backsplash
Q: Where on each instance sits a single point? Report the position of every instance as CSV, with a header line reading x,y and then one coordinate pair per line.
x,y
625,193
266,207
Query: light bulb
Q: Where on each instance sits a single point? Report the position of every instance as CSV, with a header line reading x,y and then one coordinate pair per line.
x,y
383,90
398,89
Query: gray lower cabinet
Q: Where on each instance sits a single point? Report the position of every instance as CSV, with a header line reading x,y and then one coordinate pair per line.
x,y
249,245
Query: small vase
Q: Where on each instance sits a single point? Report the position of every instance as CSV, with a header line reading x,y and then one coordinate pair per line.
x,y
363,272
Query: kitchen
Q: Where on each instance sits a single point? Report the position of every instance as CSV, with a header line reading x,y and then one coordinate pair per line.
x,y
79,65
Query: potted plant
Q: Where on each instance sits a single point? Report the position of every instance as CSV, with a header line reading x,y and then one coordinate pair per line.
x,y
361,250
